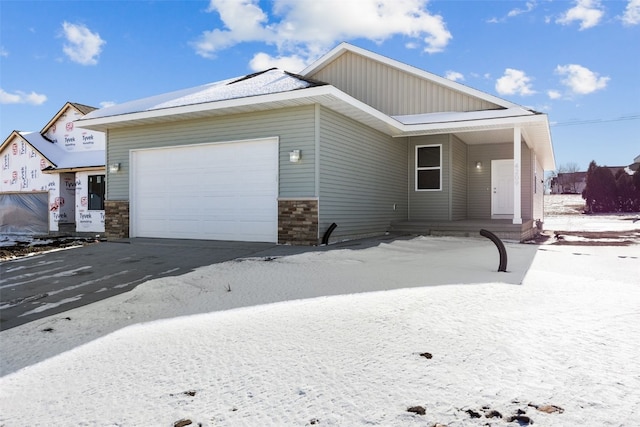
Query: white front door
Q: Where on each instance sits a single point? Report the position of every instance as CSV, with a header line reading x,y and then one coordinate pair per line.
x,y
502,188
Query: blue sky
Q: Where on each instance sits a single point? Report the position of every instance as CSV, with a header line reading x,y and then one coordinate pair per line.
x,y
578,61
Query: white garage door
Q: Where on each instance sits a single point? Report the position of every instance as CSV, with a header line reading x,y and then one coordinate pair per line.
x,y
222,191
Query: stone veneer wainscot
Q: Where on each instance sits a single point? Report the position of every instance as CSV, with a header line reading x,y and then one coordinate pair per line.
x,y
116,219
298,221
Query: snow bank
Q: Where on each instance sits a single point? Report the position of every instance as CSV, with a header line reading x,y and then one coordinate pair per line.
x,y
566,336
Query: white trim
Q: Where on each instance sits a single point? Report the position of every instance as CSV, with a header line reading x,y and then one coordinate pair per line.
x,y
298,199
417,169
493,189
316,142
200,144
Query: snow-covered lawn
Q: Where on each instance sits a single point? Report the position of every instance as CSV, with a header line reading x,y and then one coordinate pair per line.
x,y
347,338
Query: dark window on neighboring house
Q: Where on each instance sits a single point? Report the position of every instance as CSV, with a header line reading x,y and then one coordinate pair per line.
x,y
96,192
429,167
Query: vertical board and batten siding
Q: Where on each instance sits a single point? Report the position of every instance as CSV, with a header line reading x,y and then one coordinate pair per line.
x,y
393,91
430,205
294,128
459,169
479,189
362,176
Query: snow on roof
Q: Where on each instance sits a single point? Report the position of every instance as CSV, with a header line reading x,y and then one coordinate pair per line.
x,y
455,116
61,158
263,83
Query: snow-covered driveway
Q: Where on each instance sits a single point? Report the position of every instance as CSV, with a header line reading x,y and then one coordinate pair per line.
x,y
473,352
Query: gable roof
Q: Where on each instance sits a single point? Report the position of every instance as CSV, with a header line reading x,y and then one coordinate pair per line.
x,y
56,155
344,48
81,108
275,88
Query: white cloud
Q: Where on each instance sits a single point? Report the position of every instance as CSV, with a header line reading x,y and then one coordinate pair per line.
x,y
588,12
4,52
20,97
554,94
530,5
263,61
105,104
304,29
632,13
515,12
514,82
83,46
454,75
581,80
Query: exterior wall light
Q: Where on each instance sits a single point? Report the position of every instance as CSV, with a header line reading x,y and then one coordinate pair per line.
x,y
294,156
478,165
114,167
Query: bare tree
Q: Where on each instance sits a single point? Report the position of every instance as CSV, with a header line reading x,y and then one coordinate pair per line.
x,y
568,178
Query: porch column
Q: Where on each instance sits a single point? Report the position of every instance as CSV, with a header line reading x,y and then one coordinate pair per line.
x,y
517,160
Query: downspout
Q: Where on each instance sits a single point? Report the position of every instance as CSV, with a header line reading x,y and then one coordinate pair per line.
x,y
316,118
409,172
450,173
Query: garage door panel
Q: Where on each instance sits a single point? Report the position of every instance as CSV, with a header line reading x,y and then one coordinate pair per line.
x,y
210,191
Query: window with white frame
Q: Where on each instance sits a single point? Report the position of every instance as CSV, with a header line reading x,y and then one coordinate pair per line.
x,y
428,167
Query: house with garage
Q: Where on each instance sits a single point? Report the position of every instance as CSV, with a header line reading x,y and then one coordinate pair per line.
x,y
53,181
356,139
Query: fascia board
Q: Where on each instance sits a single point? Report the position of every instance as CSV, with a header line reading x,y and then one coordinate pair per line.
x,y
344,47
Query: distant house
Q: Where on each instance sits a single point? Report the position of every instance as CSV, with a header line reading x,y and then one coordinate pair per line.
x,y
53,180
635,166
576,182
569,183
356,139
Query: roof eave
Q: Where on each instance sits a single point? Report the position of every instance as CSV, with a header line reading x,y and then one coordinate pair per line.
x,y
326,95
75,169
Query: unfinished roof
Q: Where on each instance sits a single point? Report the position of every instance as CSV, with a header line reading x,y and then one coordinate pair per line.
x,y
81,108
268,82
58,156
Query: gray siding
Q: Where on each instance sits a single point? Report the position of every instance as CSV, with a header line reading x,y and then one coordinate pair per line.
x,y
294,127
459,168
393,91
479,196
362,175
430,205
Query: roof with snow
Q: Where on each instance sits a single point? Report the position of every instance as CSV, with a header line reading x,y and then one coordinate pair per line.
x,y
263,83
61,158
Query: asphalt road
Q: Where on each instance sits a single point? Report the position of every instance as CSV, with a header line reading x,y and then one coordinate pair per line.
x,y
42,285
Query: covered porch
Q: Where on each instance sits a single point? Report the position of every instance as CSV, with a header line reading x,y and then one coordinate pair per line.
x,y
503,228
